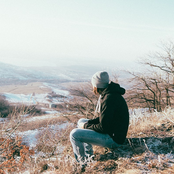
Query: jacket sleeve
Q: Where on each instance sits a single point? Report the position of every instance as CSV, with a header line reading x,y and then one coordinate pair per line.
x,y
93,121
105,118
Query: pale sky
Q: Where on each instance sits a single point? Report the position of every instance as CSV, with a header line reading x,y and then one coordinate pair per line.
x,y
113,32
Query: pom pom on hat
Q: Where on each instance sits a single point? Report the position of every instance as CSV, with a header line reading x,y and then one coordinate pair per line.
x,y
100,79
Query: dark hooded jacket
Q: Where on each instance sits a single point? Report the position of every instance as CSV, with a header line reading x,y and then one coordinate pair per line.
x,y
114,115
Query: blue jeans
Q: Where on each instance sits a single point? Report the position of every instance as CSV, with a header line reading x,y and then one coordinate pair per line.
x,y
83,139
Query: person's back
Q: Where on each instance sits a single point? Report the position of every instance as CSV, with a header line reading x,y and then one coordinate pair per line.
x,y
114,107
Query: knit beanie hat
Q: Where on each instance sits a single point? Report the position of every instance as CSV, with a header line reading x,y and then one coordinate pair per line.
x,y
100,79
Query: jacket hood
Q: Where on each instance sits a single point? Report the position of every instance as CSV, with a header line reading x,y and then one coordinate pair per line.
x,y
114,88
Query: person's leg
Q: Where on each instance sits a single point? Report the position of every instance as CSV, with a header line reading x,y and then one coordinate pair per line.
x,y
79,137
84,149
78,145
87,147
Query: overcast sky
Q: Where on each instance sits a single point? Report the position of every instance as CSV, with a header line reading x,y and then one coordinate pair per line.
x,y
113,32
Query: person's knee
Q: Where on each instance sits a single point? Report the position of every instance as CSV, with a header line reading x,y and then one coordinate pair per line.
x,y
73,133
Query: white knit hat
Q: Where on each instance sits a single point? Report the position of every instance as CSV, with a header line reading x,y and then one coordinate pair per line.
x,y
100,79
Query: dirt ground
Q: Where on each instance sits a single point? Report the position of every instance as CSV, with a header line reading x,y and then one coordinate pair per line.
x,y
35,87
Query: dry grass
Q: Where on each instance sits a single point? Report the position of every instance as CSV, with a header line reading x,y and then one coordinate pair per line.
x,y
41,123
126,159
158,124
141,158
55,155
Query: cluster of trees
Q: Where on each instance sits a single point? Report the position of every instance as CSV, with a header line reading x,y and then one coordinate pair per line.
x,y
154,87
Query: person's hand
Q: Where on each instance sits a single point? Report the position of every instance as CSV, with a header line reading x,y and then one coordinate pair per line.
x,y
81,125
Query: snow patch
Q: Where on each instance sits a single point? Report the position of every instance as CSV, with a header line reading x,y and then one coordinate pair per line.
x,y
51,112
56,90
30,137
3,120
61,126
42,117
29,99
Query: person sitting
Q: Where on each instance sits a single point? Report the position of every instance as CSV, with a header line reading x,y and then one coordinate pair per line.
x,y
110,128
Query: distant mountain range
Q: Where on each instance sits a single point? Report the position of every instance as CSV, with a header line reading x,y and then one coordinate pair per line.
x,y
11,74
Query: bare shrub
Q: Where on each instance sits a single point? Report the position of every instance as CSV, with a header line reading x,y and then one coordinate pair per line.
x,y
23,109
84,101
10,110
5,108
10,150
